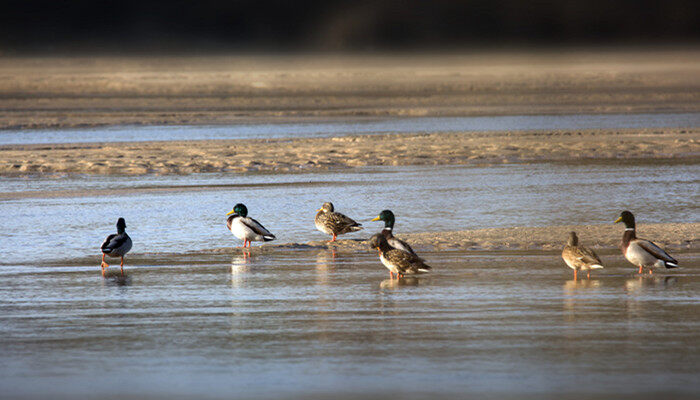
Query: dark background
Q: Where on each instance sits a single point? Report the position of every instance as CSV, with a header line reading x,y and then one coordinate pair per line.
x,y
40,26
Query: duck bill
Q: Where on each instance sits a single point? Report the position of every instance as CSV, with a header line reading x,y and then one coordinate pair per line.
x,y
319,209
618,220
230,212
376,219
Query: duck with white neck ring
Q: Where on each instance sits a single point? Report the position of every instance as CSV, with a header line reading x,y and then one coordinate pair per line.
x,y
246,228
388,217
640,252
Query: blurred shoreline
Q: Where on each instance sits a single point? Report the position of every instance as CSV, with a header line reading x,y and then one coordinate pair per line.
x,y
68,92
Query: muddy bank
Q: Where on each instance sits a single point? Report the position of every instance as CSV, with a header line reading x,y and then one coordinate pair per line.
x,y
289,155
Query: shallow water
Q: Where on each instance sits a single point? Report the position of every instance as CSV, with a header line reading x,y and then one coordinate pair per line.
x,y
70,216
293,323
351,127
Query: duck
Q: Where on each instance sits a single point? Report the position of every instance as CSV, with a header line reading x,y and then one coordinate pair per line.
x,y
579,257
116,245
334,223
640,252
246,228
388,217
397,261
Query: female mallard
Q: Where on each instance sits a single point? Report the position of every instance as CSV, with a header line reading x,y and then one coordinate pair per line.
x,y
116,245
641,252
388,217
580,257
333,223
397,261
246,228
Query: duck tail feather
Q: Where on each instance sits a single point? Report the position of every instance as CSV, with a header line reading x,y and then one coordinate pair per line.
x,y
425,268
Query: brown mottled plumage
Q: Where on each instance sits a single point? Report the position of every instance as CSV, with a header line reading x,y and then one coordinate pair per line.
x,y
397,261
333,223
580,257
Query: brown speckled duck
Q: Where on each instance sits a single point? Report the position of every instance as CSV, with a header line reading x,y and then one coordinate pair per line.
x,y
579,257
641,252
397,261
333,223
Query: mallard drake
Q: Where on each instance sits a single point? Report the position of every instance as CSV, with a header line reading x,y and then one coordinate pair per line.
x,y
388,217
246,228
333,223
116,245
580,257
641,252
397,261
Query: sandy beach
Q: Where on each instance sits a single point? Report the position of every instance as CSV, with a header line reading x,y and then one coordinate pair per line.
x,y
604,238
289,155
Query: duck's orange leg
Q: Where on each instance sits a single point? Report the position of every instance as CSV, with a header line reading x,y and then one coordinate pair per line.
x,y
333,240
122,265
575,271
640,269
588,275
104,264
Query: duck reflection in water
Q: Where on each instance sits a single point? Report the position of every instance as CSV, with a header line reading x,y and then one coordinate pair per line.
x,y
573,284
117,278
400,282
640,283
239,267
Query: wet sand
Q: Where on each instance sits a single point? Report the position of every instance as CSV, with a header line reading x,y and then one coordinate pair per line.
x,y
288,155
83,92
680,237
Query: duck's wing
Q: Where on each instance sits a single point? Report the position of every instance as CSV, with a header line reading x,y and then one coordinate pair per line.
x,y
400,245
406,262
114,241
105,244
586,255
256,227
343,222
655,250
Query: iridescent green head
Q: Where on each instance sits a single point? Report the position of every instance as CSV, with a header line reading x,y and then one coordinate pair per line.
x,y
239,209
627,218
388,217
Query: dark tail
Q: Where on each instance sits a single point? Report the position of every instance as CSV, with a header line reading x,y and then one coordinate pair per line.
x,y
425,268
670,265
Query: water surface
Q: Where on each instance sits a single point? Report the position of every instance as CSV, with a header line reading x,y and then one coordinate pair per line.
x,y
350,127
294,324
65,218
